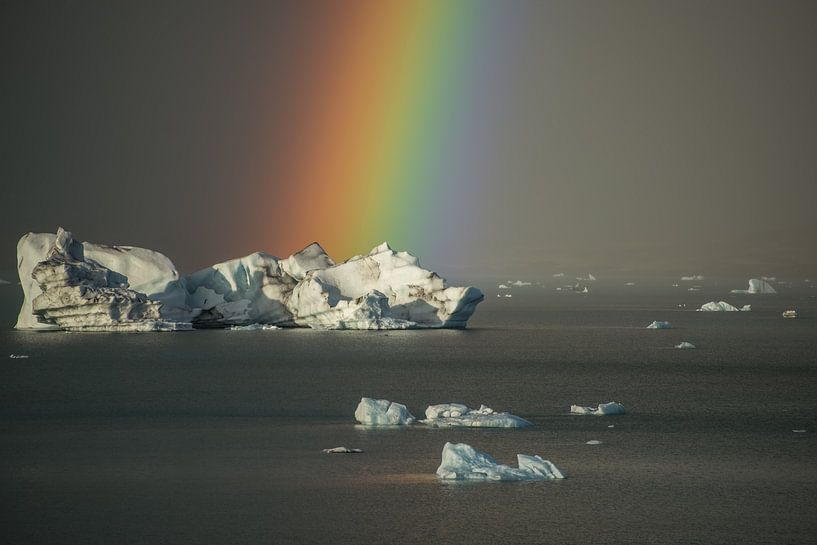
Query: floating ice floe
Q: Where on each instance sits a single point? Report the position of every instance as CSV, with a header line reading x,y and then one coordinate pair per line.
x,y
692,278
520,283
720,306
382,412
588,278
254,327
461,461
561,275
18,356
341,450
746,308
503,287
459,415
758,286
790,314
508,295
799,431
604,409
593,442
659,325
685,344
80,286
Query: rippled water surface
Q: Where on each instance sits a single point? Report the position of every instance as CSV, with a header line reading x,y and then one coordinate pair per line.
x,y
216,436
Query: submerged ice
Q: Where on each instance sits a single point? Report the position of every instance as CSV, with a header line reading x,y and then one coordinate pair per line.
x,y
459,415
461,461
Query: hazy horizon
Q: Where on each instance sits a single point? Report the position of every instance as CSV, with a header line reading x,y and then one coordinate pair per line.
x,y
611,137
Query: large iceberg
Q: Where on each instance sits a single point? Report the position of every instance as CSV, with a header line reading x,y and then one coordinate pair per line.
x,y
461,461
459,415
115,288
382,412
759,286
604,409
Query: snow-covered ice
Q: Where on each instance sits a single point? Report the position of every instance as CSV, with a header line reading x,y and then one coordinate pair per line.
x,y
603,409
461,461
685,344
382,412
659,325
459,415
341,450
81,286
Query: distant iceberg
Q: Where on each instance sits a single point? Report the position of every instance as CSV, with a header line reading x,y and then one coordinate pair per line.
x,y
382,412
461,461
659,325
604,409
503,287
588,278
559,275
758,286
685,344
720,306
459,415
692,278
342,450
520,283
746,308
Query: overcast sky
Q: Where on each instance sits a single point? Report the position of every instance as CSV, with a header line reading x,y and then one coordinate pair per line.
x,y
628,136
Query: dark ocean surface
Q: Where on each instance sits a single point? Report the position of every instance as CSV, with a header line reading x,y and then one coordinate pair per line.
x,y
215,437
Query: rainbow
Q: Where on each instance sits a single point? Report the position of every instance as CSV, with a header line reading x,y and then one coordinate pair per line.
x,y
370,156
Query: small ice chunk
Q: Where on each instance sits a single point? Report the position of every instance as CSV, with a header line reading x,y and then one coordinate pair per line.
x,y
799,431
659,325
254,327
382,412
341,450
685,344
629,283
790,314
746,308
692,278
611,426
459,415
461,461
18,356
508,295
561,275
604,409
520,283
593,442
503,287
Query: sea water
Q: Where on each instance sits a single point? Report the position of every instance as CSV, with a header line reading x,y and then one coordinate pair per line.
x,y
216,436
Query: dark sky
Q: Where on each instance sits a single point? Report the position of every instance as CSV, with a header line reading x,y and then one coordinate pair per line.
x,y
654,137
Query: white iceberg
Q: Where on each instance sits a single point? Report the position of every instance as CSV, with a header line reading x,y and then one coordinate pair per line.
x,y
341,450
593,442
459,415
520,283
508,295
80,286
461,461
758,286
659,325
382,412
685,344
746,308
692,278
603,409
503,287
18,356
790,314
720,306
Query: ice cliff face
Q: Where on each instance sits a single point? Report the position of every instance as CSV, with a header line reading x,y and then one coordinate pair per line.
x,y
111,288
461,461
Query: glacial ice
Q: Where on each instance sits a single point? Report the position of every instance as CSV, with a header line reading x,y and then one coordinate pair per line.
x,y
720,306
382,412
604,409
685,344
659,325
461,461
759,286
79,286
254,327
459,415
341,450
